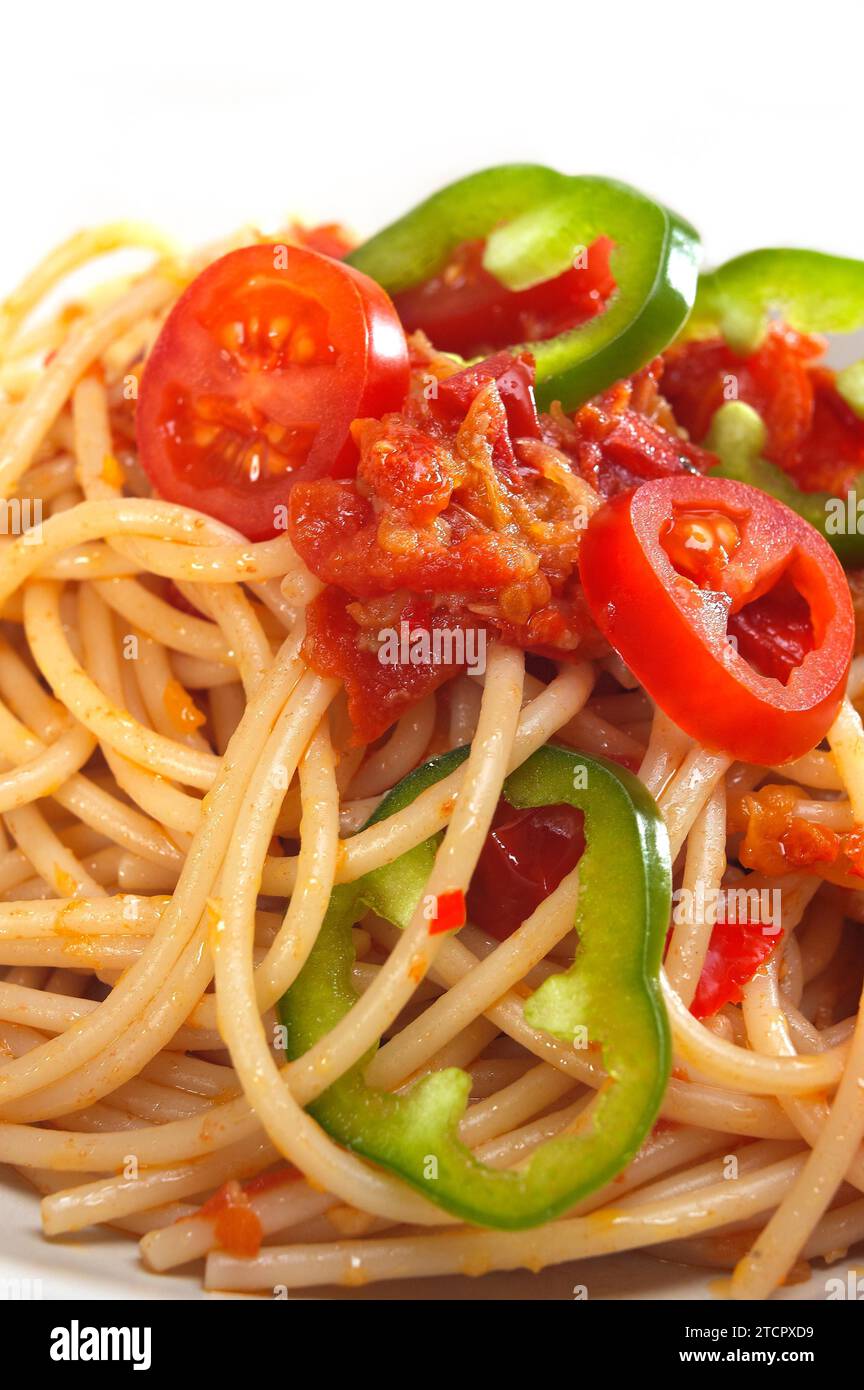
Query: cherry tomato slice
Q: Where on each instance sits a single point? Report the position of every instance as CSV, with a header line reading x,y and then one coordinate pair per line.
x,y
672,630
526,855
256,377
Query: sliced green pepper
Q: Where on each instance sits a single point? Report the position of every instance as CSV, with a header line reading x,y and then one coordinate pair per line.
x,y
737,436
534,221
814,292
611,991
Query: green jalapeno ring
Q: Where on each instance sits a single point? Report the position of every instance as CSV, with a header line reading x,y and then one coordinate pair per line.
x,y
813,292
612,989
534,221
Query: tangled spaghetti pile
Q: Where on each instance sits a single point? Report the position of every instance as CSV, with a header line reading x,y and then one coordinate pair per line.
x,y
161,761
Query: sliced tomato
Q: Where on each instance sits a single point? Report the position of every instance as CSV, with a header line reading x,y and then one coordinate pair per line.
x,y
670,617
526,855
464,309
256,377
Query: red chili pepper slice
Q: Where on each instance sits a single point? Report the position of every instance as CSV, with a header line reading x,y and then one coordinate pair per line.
x,y
672,567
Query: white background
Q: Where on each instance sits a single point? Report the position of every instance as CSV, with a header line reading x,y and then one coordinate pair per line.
x,y
202,117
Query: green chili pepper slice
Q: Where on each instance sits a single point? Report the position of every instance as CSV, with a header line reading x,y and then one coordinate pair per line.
x,y
737,436
534,221
612,991
814,292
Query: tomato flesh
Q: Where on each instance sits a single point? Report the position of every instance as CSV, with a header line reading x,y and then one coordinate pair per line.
x,y
377,694
627,435
513,375
525,856
261,368
735,952
328,238
457,504
465,310
812,433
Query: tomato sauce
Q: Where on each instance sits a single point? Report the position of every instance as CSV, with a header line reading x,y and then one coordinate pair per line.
x,y
467,512
776,840
236,1225
812,433
466,310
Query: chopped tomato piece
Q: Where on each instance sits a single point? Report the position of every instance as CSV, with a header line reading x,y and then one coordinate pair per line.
x,y
735,952
853,849
449,912
628,434
812,432
831,456
457,503
327,238
805,844
778,841
526,855
235,1225
465,310
514,379
378,692
344,541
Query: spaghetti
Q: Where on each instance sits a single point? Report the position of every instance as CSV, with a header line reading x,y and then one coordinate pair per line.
x,y
179,795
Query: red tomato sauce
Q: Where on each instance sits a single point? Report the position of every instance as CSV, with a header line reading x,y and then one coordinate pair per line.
x,y
464,309
467,512
776,840
236,1225
812,433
